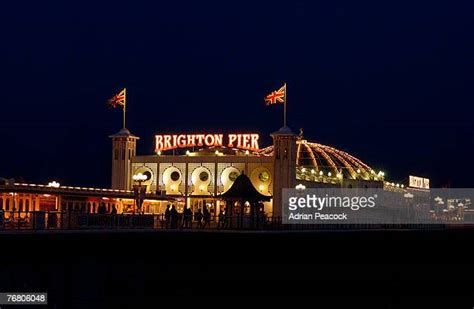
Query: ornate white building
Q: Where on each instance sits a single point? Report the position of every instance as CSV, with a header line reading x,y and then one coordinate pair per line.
x,y
201,174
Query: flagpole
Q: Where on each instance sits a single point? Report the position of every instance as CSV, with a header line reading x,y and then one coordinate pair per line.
x,y
124,106
284,109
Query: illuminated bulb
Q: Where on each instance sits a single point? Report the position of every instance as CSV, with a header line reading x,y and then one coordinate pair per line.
x,y
329,174
403,186
320,173
247,152
358,171
217,152
54,184
159,152
187,152
313,171
398,185
139,177
261,187
300,187
303,170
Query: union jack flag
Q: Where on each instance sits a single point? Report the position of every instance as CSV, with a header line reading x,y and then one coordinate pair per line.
x,y
278,96
118,99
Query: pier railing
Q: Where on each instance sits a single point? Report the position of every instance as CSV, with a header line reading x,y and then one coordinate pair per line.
x,y
75,220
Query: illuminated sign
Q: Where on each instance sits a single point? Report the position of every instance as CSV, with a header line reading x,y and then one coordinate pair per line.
x,y
241,141
419,182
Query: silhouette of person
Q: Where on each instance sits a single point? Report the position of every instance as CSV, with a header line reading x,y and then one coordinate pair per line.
x,y
198,218
221,218
206,216
188,217
102,210
2,217
167,216
174,217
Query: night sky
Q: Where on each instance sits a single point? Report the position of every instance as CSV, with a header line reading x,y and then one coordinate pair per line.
x,y
390,82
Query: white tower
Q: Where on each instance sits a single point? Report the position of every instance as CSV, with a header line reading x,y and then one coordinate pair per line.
x,y
124,146
284,165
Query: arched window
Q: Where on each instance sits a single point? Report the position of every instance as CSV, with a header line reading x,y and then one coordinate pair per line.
x,y
27,205
20,208
7,204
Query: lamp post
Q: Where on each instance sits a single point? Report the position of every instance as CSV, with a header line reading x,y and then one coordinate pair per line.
x,y
460,211
56,185
439,205
411,213
138,193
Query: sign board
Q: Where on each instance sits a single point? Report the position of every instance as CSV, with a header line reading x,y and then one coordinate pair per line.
x,y
241,141
419,182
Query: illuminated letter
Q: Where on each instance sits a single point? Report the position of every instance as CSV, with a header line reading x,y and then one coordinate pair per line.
x,y
218,139
200,139
245,141
174,141
232,139
209,140
159,143
191,140
181,141
239,140
167,143
254,142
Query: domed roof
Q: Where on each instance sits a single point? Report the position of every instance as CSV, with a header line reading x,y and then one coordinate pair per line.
x,y
317,162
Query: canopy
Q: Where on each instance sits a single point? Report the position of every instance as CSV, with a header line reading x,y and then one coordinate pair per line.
x,y
243,189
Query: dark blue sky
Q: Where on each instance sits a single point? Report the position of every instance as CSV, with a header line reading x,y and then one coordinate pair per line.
x,y
389,81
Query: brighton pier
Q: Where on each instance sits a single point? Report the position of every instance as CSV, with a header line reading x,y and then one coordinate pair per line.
x,y
205,180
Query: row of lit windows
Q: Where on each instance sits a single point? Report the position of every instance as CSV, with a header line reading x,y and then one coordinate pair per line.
x,y
7,204
87,207
22,205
